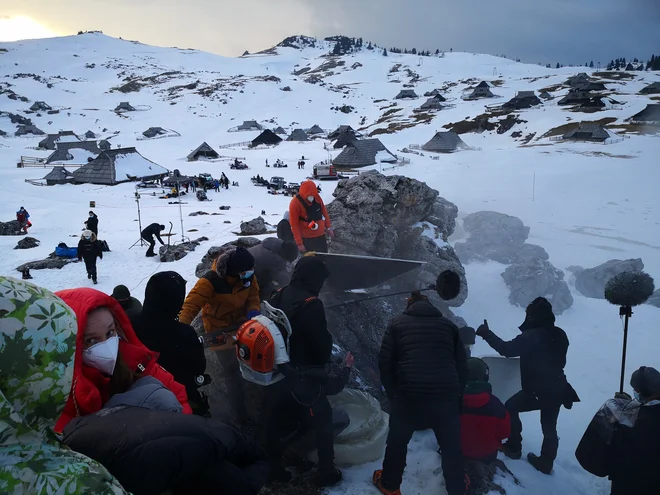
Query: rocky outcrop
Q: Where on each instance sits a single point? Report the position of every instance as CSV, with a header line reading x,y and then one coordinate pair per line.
x,y
497,237
197,213
27,243
51,262
532,278
256,226
208,259
13,227
590,282
175,252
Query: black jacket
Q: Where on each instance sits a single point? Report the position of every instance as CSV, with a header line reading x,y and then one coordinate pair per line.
x,y
152,230
270,267
542,348
92,224
422,356
181,352
151,452
636,454
89,250
310,343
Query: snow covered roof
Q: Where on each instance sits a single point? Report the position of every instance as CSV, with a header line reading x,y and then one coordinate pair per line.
x,y
203,150
298,135
279,130
266,137
482,91
650,115
406,93
363,153
76,153
444,142
432,104
59,175
587,132
250,125
339,131
315,129
524,99
483,84
49,142
124,106
345,138
574,97
40,105
580,78
121,165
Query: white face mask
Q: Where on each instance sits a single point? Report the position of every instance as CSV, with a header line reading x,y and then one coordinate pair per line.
x,y
103,356
310,199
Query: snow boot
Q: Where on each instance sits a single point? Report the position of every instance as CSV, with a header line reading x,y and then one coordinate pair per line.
x,y
94,280
378,483
511,452
89,276
540,463
26,274
327,478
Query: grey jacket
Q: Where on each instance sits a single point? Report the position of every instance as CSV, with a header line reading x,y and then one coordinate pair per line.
x,y
148,393
270,268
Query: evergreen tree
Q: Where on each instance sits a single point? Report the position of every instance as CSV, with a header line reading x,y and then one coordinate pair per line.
x,y
437,51
591,64
413,51
384,52
337,49
558,66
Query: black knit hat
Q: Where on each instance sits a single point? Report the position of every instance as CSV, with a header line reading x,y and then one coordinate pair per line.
x,y
477,370
646,381
121,292
240,260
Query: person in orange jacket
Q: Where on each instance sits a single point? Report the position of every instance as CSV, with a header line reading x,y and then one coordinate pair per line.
x,y
309,219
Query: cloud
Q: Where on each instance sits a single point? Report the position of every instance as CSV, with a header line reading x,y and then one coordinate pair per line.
x,y
568,31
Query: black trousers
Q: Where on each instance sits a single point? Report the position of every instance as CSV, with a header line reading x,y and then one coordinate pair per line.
x,y
443,418
525,402
90,266
318,244
292,405
152,244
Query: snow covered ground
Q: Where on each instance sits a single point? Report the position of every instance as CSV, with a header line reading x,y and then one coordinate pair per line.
x,y
585,203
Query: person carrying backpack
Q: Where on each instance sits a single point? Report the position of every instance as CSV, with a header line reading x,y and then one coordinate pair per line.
x,y
89,248
92,223
309,219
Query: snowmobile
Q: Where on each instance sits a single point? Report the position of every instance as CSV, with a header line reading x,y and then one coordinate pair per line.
x,y
201,195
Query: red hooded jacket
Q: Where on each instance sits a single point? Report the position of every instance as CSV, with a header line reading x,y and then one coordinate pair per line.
x,y
299,227
485,423
89,390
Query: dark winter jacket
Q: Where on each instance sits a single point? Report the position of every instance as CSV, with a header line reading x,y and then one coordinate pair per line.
x,y
132,307
270,267
542,348
310,343
181,352
146,392
422,356
89,250
152,230
92,224
151,452
636,461
485,423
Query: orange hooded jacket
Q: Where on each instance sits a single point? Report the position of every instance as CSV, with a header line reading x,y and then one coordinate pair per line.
x,y
297,211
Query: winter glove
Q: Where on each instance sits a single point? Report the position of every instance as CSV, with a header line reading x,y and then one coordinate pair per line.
x,y
251,314
483,329
301,248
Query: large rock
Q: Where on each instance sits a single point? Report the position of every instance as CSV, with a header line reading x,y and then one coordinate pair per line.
x,y
495,236
256,226
590,282
13,227
654,300
27,243
208,259
175,252
51,262
532,278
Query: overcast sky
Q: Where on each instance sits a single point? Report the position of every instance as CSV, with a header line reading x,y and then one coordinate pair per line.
x,y
548,31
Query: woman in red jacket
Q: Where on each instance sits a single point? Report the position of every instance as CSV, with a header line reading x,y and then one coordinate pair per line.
x,y
309,219
109,356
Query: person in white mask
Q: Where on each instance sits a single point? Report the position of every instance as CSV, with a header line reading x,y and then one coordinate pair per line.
x,y
109,356
309,219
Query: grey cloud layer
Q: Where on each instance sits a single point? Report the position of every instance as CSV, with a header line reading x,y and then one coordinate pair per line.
x,y
569,31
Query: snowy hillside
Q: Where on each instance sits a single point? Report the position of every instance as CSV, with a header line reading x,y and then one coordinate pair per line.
x,y
586,203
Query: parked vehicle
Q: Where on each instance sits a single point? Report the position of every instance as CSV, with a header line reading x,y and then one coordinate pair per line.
x,y
277,183
325,172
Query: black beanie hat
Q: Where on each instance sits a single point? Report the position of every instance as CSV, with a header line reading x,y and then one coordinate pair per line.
x,y
646,381
121,292
240,260
477,370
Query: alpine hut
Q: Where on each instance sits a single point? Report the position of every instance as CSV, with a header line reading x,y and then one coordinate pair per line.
x,y
298,135
578,79
279,130
363,153
51,140
432,104
250,125
315,129
481,91
575,97
124,106
90,135
524,99
587,132
204,151
339,131
344,139
24,130
267,137
40,106
152,132
406,94
59,175
74,153
116,166
435,94
650,115
444,142
651,89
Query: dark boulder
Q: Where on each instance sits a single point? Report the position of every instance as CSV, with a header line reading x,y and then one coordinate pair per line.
x,y
256,226
175,252
590,282
13,227
27,243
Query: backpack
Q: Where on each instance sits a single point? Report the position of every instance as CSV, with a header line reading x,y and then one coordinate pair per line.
x,y
314,212
284,231
104,246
